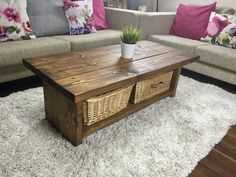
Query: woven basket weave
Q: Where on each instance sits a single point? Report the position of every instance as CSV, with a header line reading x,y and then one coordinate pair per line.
x,y
103,106
151,87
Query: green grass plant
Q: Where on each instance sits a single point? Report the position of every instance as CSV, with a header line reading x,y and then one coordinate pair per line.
x,y
130,35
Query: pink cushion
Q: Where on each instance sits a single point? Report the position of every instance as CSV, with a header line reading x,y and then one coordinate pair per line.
x,y
191,21
99,15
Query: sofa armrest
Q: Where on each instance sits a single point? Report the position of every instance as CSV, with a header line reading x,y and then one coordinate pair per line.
x,y
116,18
156,23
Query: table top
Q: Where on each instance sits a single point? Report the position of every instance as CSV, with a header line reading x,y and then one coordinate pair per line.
x,y
82,75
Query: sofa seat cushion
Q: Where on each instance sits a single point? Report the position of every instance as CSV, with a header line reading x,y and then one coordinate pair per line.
x,y
217,55
185,44
13,52
98,39
213,71
14,72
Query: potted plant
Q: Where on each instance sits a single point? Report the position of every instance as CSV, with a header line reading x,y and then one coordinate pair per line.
x,y
129,38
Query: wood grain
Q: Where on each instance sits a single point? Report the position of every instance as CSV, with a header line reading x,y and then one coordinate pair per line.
x,y
232,131
221,160
228,146
202,171
174,81
220,163
64,115
72,78
77,75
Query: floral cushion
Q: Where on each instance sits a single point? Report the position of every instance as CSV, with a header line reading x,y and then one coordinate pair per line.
x,y
221,30
14,21
80,16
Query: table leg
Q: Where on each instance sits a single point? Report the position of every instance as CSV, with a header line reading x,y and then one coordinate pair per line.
x,y
63,114
174,81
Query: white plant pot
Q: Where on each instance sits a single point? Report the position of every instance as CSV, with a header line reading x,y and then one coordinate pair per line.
x,y
127,50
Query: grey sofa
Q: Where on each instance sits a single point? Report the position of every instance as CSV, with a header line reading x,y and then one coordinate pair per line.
x,y
12,53
215,61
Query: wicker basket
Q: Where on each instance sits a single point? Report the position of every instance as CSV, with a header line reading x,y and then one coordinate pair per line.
x,y
151,87
103,106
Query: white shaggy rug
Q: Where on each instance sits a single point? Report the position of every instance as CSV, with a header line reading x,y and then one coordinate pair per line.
x,y
167,139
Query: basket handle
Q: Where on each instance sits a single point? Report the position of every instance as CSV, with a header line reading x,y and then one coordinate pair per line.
x,y
156,85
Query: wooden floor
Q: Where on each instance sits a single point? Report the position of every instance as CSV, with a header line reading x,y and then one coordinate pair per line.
x,y
220,162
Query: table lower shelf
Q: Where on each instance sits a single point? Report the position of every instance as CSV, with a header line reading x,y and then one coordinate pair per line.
x,y
132,108
67,117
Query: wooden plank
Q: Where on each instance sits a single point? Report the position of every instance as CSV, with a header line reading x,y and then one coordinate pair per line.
x,y
129,110
100,51
74,88
220,164
50,81
232,131
81,64
228,147
193,175
93,59
174,81
50,59
92,75
79,120
61,71
63,115
159,63
98,58
136,71
202,171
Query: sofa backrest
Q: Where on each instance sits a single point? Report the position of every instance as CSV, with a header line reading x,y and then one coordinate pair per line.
x,y
156,23
225,10
171,5
116,18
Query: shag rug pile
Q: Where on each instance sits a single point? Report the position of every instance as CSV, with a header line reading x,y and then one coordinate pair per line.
x,y
167,139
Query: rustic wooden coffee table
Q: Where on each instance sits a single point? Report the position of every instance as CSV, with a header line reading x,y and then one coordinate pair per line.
x,y
72,79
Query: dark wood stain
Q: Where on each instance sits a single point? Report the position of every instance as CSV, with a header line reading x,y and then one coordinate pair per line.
x,y
221,161
223,154
70,79
79,76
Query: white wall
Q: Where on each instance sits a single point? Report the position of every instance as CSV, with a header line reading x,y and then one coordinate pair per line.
x,y
171,5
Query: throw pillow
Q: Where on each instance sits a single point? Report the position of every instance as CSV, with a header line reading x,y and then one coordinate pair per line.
x,y
221,30
99,15
191,21
14,21
80,16
47,17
